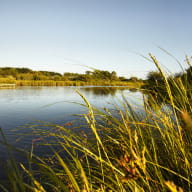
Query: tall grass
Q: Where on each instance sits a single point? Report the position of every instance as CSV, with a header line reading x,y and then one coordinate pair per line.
x,y
126,151
69,83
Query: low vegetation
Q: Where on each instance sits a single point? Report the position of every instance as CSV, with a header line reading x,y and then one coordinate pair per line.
x,y
120,150
28,77
161,86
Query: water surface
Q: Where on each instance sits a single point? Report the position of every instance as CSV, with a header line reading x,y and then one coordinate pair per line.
x,y
25,105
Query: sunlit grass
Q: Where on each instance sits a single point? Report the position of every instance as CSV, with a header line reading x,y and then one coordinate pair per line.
x,y
68,83
126,151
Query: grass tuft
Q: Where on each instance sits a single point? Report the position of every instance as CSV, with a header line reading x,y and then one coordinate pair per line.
x,y
127,150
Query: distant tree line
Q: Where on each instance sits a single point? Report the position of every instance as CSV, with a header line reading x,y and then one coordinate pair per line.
x,y
28,74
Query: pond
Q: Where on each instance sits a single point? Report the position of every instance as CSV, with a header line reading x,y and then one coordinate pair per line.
x,y
24,105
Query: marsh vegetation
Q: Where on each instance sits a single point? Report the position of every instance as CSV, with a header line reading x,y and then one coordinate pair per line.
x,y
125,150
28,77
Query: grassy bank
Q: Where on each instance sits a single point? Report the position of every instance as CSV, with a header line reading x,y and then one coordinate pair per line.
x,y
76,83
126,150
68,83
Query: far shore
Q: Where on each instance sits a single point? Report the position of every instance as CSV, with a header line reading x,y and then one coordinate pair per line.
x,y
17,83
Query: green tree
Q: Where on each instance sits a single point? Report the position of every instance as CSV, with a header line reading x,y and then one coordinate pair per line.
x,y
154,76
114,76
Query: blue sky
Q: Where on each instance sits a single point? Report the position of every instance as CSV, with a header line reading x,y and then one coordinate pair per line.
x,y
68,35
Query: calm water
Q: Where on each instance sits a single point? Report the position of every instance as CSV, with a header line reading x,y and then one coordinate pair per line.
x,y
24,105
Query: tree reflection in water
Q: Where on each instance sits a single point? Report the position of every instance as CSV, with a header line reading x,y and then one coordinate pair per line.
x,y
105,91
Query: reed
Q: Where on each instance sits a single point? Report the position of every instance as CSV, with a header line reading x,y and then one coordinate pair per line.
x,y
124,151
75,83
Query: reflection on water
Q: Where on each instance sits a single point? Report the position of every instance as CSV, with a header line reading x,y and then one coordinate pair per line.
x,y
53,104
98,91
26,105
101,90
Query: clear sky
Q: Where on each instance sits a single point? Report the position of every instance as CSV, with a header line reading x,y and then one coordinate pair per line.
x,y
68,35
